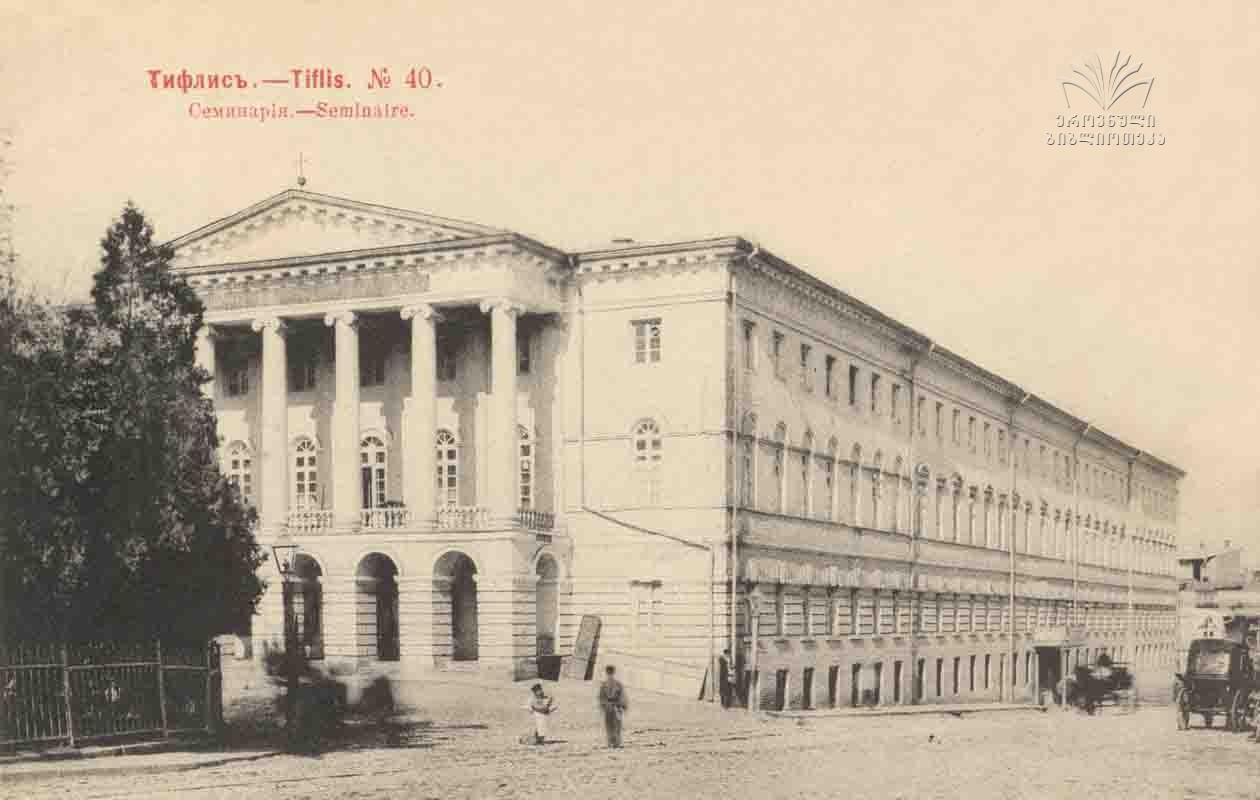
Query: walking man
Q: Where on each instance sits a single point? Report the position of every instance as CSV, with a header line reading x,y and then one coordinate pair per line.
x,y
612,701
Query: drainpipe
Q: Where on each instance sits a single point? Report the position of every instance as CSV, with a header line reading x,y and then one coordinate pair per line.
x,y
1010,543
1076,513
915,688
582,383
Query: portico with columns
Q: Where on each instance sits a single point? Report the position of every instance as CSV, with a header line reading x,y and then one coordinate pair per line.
x,y
398,477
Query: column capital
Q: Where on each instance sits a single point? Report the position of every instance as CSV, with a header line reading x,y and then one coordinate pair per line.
x,y
274,324
422,311
347,318
501,304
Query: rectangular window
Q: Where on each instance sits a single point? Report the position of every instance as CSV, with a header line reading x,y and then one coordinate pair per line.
x,y
647,341
372,369
896,403
750,346
807,380
940,422
829,372
1001,447
971,434
237,381
522,352
446,350
988,448
302,372
776,353
957,431
853,385
874,394
921,413
646,607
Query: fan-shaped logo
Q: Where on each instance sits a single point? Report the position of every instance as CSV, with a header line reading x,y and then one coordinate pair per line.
x,y
1106,85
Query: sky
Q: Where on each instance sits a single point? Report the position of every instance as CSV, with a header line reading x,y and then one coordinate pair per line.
x,y
898,152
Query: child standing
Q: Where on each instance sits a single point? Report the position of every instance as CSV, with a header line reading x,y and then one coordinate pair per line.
x,y
540,706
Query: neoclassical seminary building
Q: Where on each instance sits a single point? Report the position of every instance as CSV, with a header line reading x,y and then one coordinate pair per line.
x,y
477,439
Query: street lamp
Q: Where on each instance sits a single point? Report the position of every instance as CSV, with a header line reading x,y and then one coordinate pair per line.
x,y
285,552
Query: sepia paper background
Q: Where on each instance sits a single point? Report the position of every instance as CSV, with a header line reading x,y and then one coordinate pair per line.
x,y
897,150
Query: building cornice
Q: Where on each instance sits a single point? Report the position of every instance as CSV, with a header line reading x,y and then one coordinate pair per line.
x,y
378,254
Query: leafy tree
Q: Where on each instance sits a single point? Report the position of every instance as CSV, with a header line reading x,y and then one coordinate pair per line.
x,y
118,521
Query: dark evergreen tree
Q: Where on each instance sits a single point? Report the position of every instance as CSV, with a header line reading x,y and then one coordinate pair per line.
x,y
120,523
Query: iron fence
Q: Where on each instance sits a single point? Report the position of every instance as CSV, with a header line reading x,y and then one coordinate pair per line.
x,y
69,694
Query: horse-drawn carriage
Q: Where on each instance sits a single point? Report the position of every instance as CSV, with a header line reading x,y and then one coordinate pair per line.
x,y
1091,686
1219,679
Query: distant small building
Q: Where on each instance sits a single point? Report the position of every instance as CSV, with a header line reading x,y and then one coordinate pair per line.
x,y
1219,598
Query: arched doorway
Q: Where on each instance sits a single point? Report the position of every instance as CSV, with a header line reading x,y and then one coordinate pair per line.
x,y
457,575
376,608
547,605
308,607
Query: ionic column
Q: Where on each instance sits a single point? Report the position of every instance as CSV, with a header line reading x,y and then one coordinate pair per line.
x,y
273,490
419,462
504,441
204,356
346,484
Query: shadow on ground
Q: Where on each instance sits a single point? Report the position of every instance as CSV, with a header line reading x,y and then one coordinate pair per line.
x,y
324,722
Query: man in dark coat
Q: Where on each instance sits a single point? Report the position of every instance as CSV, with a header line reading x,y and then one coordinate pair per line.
x,y
612,701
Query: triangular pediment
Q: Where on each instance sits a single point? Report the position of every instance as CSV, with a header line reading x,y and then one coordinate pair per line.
x,y
299,223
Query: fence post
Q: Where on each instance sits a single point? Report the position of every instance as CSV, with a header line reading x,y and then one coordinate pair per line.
x,y
209,687
161,676
65,687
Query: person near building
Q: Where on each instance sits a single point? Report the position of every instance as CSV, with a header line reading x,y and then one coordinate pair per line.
x,y
612,701
541,706
726,682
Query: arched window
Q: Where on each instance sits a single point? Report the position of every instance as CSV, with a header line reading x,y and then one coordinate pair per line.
x,y
447,469
372,464
829,480
780,476
855,482
305,474
527,467
647,459
807,489
898,466
647,442
747,464
877,477
240,470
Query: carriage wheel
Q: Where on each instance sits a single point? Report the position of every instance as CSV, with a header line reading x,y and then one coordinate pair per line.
x,y
1183,710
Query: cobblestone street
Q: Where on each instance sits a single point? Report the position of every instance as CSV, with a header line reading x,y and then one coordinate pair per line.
x,y
463,742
